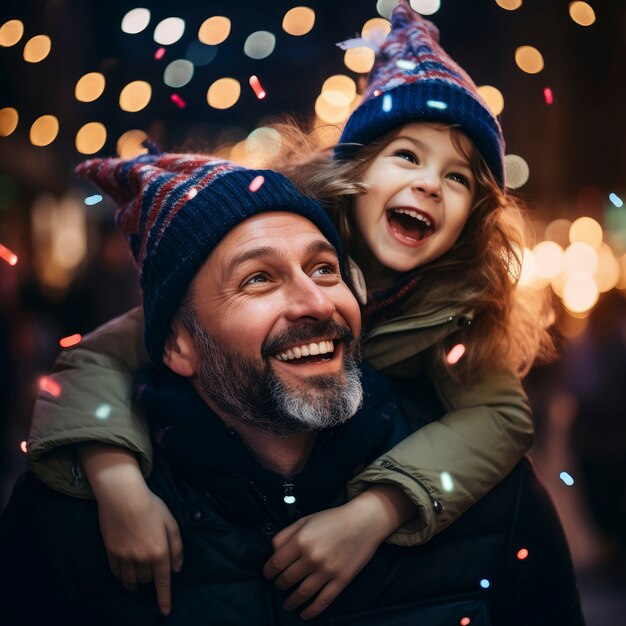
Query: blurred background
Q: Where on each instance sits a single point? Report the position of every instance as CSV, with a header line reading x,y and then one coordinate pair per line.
x,y
84,78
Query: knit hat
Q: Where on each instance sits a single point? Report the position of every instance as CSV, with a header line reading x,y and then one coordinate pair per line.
x,y
176,208
413,80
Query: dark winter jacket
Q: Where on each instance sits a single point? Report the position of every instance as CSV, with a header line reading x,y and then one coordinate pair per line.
x,y
229,507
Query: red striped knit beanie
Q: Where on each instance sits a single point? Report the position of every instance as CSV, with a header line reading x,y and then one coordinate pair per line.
x,y
175,209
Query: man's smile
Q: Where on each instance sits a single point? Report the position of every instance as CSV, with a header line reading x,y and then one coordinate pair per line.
x,y
312,349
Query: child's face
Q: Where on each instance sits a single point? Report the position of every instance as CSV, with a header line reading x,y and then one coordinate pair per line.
x,y
420,195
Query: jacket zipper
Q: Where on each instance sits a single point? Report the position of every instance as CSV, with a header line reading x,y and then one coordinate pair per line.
x,y
385,330
436,504
290,500
76,475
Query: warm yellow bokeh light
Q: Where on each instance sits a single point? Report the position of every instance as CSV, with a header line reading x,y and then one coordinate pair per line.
x,y
263,144
529,59
91,137
129,144
339,90
586,229
299,21
11,32
608,273
329,113
509,5
580,258
223,93
493,97
548,259
621,283
90,87
359,60
580,293
135,96
8,121
44,130
558,231
37,48
377,28
214,30
582,13
528,267
516,171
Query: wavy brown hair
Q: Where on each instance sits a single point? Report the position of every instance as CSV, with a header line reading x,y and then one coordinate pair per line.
x,y
481,271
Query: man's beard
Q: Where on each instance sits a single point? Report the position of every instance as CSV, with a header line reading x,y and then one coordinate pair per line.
x,y
255,395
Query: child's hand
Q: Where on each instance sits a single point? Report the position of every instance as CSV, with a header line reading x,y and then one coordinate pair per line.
x,y
325,551
143,543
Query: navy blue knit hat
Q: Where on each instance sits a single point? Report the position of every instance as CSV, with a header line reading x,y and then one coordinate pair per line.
x,y
414,80
176,208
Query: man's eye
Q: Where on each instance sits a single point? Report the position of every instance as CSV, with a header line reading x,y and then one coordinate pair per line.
x,y
407,155
460,178
257,279
327,269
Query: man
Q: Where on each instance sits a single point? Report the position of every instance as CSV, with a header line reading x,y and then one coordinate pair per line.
x,y
236,279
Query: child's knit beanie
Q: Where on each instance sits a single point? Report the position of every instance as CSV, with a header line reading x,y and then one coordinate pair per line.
x,y
414,80
176,208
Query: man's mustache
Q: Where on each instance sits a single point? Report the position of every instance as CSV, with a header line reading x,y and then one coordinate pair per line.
x,y
306,332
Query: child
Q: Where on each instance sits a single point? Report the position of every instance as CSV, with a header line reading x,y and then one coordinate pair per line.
x,y
417,188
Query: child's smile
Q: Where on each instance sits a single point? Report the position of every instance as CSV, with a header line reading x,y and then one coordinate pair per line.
x,y
420,193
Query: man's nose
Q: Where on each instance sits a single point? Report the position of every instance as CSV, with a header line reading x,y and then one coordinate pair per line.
x,y
427,183
307,299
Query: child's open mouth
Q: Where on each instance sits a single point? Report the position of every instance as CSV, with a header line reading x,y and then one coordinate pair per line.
x,y
411,224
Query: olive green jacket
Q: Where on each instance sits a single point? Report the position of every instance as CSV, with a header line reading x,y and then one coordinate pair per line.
x,y
444,467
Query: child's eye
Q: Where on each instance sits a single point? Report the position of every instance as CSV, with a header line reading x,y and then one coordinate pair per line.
x,y
460,178
407,155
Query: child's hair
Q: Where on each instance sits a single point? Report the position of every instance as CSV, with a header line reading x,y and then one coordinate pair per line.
x,y
481,271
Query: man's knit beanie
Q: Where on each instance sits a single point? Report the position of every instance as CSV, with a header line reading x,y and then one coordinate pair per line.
x,y
414,80
175,209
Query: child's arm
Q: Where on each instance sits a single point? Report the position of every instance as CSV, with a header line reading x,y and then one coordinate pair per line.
x,y
325,551
90,400
452,462
140,534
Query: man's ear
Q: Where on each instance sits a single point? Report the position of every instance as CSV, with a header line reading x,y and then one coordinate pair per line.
x,y
180,353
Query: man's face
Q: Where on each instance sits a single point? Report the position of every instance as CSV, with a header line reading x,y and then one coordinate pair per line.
x,y
279,327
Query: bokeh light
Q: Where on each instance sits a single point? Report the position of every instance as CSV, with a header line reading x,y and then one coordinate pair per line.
x,y
586,229
91,137
516,171
9,119
485,584
509,5
44,130
169,31
376,29
580,258
455,354
608,273
580,293
299,21
11,32
528,267
426,7
214,30
90,87
37,49
103,411
359,60
522,554
224,93
582,13
70,340
493,97
255,83
339,90
8,256
178,73
447,484
385,7
558,231
616,200
135,21
261,146
50,386
135,96
260,45
566,478
548,259
330,113
129,144
529,59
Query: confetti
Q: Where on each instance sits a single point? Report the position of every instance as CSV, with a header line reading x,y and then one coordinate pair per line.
x,y
446,481
256,183
103,411
256,87
70,340
91,200
454,356
566,478
436,104
404,64
547,94
387,103
49,385
178,101
7,255
616,200
465,621
159,54
24,447
522,554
